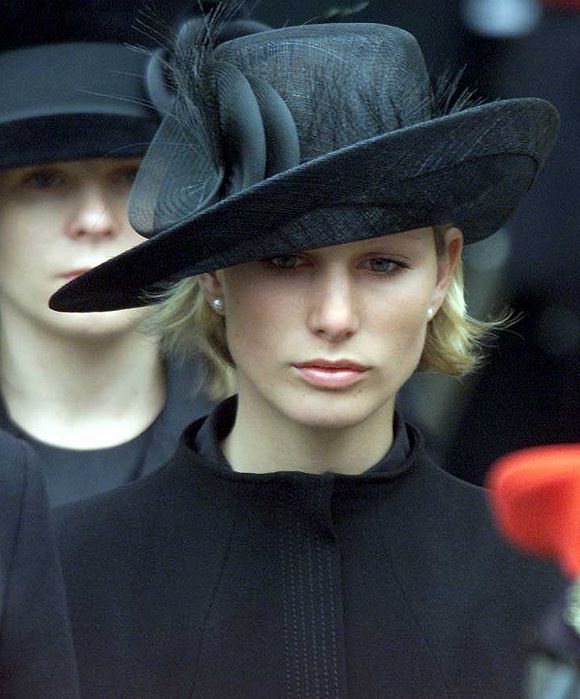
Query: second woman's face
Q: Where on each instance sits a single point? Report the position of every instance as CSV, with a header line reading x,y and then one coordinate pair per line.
x,y
327,337
57,220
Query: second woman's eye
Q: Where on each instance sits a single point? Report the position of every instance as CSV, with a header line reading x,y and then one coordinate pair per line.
x,y
125,176
42,179
286,261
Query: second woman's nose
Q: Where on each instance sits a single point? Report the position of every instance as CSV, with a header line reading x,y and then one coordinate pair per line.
x,y
333,313
92,215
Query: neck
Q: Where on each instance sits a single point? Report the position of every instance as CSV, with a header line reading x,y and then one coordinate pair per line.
x,y
263,441
80,393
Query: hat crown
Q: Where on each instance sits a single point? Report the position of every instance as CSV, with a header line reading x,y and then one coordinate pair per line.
x,y
342,83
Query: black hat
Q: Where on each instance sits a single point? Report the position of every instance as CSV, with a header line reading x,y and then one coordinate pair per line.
x,y
70,85
311,136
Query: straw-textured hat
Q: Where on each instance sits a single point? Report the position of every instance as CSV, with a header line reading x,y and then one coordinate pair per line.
x,y
310,136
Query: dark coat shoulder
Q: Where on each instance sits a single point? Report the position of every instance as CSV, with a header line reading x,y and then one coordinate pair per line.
x,y
36,656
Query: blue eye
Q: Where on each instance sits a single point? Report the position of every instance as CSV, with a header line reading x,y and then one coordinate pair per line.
x,y
285,261
382,264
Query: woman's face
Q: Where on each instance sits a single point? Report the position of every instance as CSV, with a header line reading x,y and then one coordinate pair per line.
x,y
58,220
327,337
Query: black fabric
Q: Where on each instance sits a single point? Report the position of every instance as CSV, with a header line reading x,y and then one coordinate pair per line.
x,y
202,582
74,474
73,101
32,23
528,393
36,656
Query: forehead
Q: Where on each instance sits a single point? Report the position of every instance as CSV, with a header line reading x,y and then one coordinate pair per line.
x,y
90,166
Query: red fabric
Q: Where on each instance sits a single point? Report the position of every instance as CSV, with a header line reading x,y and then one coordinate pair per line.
x,y
535,497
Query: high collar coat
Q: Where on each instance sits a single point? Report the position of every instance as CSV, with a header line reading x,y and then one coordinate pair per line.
x,y
205,583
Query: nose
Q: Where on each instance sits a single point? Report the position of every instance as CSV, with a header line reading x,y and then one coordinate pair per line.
x,y
333,314
93,216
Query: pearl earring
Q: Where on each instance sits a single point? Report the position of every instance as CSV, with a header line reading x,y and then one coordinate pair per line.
x,y
217,305
430,313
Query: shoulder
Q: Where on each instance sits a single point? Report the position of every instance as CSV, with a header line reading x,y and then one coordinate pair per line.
x,y
128,521
36,657
454,516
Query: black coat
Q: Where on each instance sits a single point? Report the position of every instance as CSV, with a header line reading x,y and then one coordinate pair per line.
x,y
36,657
205,583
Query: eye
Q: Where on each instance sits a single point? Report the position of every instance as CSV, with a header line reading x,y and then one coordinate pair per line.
x,y
382,265
126,176
43,179
286,261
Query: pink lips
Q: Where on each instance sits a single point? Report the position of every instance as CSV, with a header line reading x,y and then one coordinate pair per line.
x,y
331,374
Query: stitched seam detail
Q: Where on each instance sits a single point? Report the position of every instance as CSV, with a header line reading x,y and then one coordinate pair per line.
x,y
313,619
409,606
211,605
303,634
286,612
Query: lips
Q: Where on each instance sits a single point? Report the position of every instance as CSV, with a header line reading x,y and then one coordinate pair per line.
x,y
330,374
74,273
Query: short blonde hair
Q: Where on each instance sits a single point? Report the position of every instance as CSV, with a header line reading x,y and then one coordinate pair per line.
x,y
189,327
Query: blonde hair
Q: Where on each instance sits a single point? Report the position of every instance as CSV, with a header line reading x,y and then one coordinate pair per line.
x,y
188,326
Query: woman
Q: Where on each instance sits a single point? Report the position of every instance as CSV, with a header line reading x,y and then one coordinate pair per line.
x,y
300,543
94,397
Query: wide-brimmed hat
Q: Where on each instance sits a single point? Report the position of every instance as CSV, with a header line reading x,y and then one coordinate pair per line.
x,y
305,137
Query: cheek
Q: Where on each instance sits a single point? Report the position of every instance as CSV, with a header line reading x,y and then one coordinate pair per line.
x,y
403,327
255,326
129,238
18,249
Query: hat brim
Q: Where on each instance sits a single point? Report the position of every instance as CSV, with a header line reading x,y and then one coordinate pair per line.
x,y
72,101
74,136
469,168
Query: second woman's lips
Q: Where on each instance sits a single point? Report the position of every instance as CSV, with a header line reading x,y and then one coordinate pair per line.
x,y
74,273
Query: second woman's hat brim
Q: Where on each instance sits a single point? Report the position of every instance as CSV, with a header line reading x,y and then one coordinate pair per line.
x,y
470,168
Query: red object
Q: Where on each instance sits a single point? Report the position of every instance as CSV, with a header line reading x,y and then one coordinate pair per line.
x,y
535,497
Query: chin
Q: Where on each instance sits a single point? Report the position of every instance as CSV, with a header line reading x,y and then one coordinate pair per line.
x,y
334,412
97,326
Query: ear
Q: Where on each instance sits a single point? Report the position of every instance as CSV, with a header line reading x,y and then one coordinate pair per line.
x,y
447,261
211,285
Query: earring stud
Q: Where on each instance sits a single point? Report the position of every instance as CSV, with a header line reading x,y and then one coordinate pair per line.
x,y
430,313
217,305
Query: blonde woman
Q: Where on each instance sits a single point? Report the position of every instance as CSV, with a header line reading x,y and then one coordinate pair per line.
x,y
308,214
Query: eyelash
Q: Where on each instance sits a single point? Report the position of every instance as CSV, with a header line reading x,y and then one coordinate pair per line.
x,y
35,179
394,265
